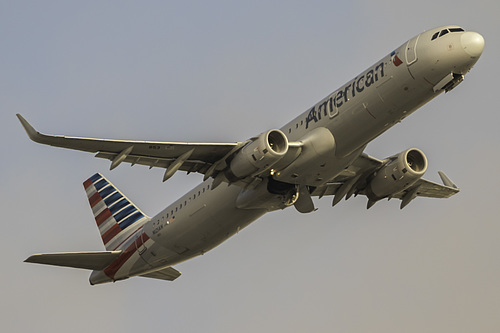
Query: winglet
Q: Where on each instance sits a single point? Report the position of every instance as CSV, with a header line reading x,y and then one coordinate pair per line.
x,y
30,130
446,180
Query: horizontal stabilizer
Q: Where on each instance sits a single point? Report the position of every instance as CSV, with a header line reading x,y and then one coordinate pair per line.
x,y
169,274
86,260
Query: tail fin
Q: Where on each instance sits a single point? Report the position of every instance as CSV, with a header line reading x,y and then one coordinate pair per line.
x,y
114,213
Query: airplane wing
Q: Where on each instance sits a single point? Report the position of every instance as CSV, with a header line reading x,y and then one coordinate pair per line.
x,y
354,180
210,158
205,158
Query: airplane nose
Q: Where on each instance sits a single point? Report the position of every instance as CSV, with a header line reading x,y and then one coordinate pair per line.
x,y
472,43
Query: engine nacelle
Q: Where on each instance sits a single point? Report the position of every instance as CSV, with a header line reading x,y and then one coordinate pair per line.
x,y
259,155
397,175
318,147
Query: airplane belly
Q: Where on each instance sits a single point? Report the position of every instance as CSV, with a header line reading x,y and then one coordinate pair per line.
x,y
226,223
200,226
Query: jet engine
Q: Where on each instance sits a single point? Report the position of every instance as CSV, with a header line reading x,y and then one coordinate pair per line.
x,y
403,170
258,155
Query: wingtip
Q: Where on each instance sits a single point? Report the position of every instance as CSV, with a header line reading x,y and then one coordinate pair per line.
x,y
32,258
30,130
446,180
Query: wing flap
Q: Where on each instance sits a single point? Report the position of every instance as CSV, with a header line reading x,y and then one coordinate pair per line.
x,y
97,260
169,274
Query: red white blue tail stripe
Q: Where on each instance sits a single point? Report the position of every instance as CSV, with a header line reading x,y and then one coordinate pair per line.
x,y
116,216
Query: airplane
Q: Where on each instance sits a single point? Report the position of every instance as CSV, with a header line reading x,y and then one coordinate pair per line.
x,y
319,153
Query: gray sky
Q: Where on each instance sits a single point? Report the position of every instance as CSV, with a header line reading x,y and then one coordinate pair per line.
x,y
221,71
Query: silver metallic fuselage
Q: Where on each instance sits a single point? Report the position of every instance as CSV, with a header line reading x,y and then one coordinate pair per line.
x,y
355,114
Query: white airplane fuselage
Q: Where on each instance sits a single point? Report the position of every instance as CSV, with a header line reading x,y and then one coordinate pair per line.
x,y
346,121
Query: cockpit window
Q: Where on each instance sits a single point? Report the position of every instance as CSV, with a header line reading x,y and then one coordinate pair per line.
x,y
445,31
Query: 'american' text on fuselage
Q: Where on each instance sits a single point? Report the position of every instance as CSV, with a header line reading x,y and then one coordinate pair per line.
x,y
340,97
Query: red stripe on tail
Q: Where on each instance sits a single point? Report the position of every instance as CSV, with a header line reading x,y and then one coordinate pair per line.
x,y
111,270
87,183
106,214
94,199
111,233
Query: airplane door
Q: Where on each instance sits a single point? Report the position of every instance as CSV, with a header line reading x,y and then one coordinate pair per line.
x,y
139,243
332,108
411,51
387,91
